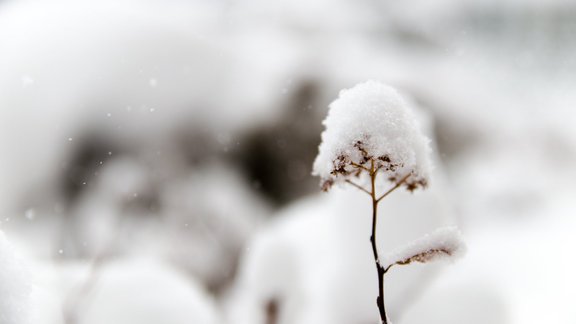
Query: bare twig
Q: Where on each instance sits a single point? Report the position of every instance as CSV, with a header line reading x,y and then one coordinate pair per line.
x,y
394,188
358,186
356,165
79,297
76,300
272,311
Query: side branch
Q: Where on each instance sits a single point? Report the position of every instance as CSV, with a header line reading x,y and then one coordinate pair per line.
x,y
358,186
394,188
356,165
388,267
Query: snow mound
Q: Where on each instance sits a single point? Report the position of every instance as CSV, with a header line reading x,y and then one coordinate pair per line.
x,y
14,286
147,291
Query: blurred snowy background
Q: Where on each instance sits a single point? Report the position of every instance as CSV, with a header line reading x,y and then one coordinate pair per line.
x,y
155,160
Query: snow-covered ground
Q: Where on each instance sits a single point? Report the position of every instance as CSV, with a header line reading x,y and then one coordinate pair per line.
x,y
155,161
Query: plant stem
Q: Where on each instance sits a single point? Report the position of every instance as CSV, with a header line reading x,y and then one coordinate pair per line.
x,y
375,200
380,270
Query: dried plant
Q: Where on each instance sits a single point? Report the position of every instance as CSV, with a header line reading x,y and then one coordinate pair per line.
x,y
372,136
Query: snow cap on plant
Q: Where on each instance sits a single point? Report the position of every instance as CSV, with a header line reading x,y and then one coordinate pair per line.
x,y
372,124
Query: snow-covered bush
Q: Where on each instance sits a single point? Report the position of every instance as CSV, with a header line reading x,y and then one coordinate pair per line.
x,y
370,130
209,215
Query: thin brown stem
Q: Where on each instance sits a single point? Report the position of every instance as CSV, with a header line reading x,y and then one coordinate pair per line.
x,y
381,271
358,186
394,188
379,268
356,165
388,267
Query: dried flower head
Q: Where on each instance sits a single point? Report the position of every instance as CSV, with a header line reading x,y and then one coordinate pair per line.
x,y
444,243
371,125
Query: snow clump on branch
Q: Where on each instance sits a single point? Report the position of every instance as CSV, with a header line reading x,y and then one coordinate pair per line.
x,y
443,243
371,125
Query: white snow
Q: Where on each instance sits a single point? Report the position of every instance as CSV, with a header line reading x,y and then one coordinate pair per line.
x,y
443,243
147,291
137,289
373,117
14,286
